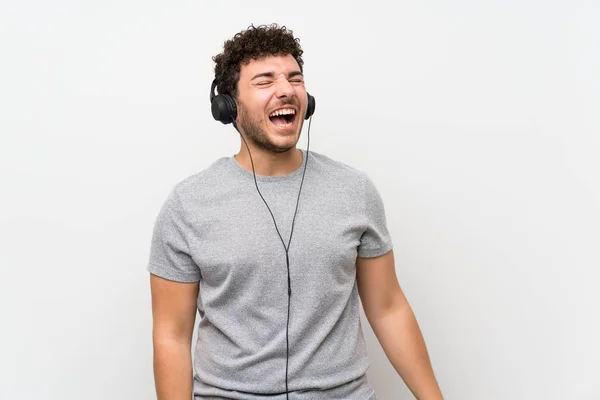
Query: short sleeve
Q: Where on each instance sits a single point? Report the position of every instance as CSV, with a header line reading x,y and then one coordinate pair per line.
x,y
169,249
375,240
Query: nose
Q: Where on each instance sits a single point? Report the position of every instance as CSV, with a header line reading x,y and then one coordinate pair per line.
x,y
284,88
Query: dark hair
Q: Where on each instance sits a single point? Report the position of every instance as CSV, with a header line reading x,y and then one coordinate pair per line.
x,y
254,43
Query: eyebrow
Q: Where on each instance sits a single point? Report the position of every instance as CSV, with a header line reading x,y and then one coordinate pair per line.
x,y
272,75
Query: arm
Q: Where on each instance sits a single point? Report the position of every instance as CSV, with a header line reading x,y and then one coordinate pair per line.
x,y
174,313
395,325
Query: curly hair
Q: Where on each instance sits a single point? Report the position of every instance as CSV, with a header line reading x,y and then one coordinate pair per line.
x,y
254,43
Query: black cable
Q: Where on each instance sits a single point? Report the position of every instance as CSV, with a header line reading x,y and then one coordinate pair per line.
x,y
287,259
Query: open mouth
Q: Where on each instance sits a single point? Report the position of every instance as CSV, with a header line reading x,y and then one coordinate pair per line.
x,y
283,118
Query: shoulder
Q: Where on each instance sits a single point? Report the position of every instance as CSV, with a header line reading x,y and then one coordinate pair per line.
x,y
200,184
345,179
337,169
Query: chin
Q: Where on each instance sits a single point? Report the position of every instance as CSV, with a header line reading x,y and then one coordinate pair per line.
x,y
283,139
281,146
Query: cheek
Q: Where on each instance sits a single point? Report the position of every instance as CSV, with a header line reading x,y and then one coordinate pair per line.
x,y
256,105
259,109
303,96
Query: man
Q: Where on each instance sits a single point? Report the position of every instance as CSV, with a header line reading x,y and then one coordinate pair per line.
x,y
279,318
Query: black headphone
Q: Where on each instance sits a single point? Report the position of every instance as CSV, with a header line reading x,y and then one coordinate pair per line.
x,y
224,109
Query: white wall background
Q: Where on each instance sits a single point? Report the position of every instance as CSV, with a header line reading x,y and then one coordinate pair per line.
x,y
478,121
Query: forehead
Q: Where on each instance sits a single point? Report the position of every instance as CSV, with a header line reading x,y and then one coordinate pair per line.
x,y
276,64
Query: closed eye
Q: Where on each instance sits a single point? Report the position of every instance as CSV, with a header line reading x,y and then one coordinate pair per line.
x,y
291,80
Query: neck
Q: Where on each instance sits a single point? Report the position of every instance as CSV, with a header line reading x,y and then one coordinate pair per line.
x,y
267,163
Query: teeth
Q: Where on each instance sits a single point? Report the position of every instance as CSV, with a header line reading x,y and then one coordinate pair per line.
x,y
284,111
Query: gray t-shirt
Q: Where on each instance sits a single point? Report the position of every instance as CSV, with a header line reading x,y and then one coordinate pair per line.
x,y
214,228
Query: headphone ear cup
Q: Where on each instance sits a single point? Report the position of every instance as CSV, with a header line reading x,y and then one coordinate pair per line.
x,y
310,109
223,109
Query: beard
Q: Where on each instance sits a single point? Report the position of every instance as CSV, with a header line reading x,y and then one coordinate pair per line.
x,y
252,128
